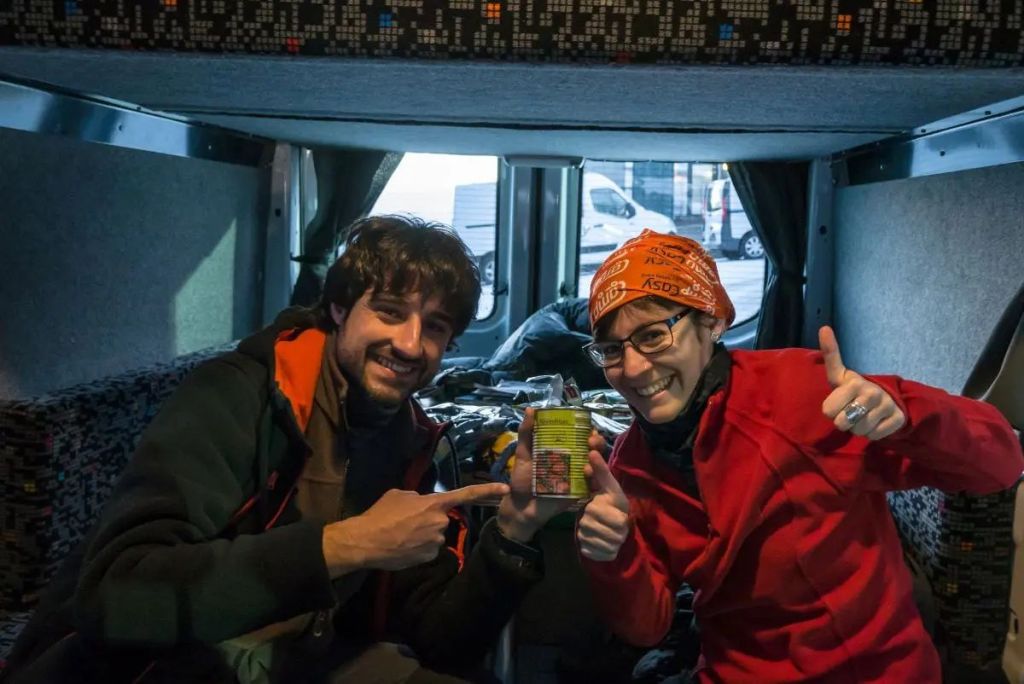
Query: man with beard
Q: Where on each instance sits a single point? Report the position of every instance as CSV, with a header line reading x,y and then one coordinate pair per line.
x,y
278,521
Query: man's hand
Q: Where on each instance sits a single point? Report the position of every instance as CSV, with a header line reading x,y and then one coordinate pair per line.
x,y
873,412
521,514
604,525
400,530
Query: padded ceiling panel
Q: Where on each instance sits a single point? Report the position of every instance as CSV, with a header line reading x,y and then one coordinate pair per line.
x,y
794,111
707,97
592,144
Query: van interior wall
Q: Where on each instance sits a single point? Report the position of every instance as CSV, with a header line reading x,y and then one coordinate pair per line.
x,y
924,269
113,259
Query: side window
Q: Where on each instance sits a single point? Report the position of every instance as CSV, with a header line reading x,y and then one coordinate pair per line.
x,y
607,201
692,199
459,191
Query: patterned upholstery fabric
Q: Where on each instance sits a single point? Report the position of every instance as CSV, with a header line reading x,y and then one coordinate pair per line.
x,y
965,546
711,32
11,625
60,454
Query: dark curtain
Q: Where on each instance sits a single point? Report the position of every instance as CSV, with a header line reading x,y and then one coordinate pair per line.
x,y
774,195
348,182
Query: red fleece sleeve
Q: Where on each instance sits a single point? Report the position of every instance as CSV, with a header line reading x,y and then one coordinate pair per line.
x,y
949,442
635,592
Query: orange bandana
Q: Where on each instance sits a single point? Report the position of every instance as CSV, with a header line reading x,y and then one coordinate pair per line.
x,y
667,266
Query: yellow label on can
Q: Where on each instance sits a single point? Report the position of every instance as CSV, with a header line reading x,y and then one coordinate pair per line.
x,y
560,445
562,417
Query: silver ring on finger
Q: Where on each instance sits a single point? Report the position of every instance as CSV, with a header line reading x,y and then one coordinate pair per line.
x,y
854,412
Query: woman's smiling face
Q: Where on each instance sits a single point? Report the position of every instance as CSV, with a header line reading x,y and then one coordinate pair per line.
x,y
659,385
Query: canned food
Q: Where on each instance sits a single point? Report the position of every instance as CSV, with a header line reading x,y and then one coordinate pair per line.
x,y
560,445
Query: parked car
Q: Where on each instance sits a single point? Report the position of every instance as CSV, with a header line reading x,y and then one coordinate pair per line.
x,y
726,226
608,217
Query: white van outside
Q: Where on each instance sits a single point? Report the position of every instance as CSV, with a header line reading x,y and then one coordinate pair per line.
x,y
474,219
608,217
726,226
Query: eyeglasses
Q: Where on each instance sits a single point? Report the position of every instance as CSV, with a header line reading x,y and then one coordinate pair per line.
x,y
648,339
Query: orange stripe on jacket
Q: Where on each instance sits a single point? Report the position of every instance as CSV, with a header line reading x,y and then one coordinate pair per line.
x,y
462,532
297,358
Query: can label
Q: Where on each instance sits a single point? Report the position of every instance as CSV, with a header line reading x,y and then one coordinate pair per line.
x,y
560,446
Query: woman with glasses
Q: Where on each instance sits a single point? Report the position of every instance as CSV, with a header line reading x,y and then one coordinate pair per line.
x,y
759,478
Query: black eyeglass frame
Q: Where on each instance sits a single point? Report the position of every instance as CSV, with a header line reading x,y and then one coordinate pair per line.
x,y
670,322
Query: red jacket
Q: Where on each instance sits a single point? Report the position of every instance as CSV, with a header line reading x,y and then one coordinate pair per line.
x,y
792,551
